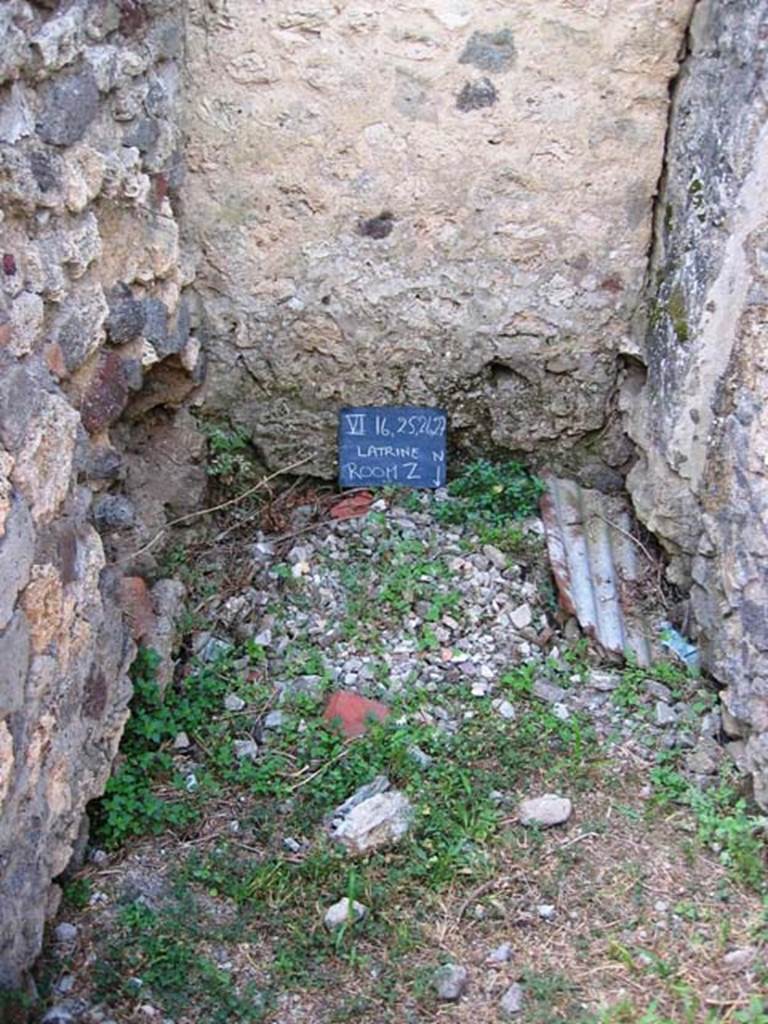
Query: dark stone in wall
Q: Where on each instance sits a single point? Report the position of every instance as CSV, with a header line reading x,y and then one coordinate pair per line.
x,y
114,512
126,316
107,394
69,106
490,51
476,95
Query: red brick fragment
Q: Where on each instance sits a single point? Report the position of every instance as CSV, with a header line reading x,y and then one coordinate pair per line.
x,y
352,506
136,603
107,393
352,713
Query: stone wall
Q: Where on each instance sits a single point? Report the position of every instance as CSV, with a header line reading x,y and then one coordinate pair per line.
x,y
92,321
697,409
441,201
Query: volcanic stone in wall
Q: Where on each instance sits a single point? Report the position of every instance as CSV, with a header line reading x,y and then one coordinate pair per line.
x,y
700,418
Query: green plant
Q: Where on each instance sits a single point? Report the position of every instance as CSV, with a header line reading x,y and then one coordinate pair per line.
x,y
77,893
230,454
724,821
490,493
159,951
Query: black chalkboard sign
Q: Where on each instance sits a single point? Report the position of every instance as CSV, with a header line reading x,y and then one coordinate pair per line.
x,y
392,445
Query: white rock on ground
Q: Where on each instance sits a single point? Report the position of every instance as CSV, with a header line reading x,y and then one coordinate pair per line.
x,y
512,1001
544,811
246,748
381,820
342,912
501,954
521,617
450,982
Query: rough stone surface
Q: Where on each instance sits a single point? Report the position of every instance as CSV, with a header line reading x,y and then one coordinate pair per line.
x,y
343,912
81,222
334,262
451,982
697,410
512,1001
544,811
381,820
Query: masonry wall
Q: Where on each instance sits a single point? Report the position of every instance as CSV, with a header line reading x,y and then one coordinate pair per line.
x,y
439,202
696,402
91,308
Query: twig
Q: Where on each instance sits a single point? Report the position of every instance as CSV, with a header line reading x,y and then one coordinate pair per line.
x,y
578,839
324,767
620,529
224,504
481,890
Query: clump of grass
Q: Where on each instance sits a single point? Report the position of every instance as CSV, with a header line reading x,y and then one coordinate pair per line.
x,y
491,494
725,823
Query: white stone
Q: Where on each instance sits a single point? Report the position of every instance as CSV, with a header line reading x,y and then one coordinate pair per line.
x,y
343,912
505,709
545,811
381,820
501,954
522,616
512,1000
450,982
246,748
232,702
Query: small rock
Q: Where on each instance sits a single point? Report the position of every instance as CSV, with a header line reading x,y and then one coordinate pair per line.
x,y
546,911
494,556
512,1000
504,708
545,811
274,720
705,758
561,711
64,985
66,933
59,1014
181,742
739,959
291,844
422,759
658,690
501,954
450,982
343,912
549,692
264,638
664,714
233,703
381,820
521,617
246,748
114,512
604,681
711,724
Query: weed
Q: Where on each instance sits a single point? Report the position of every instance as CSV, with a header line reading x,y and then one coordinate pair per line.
x,y
230,454
157,952
491,494
77,893
724,822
